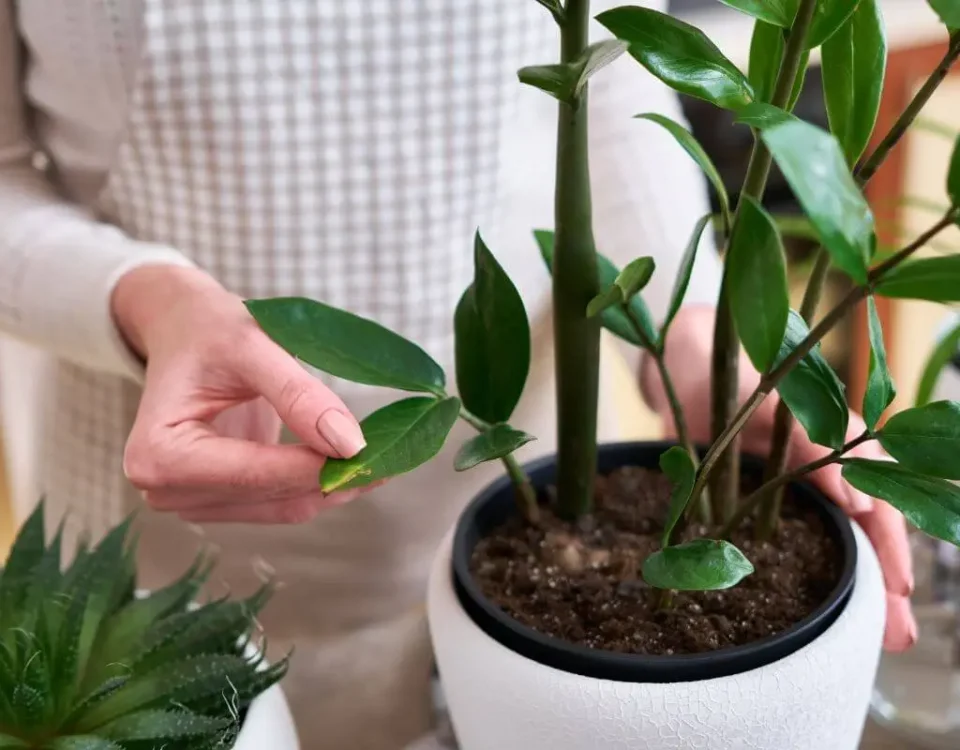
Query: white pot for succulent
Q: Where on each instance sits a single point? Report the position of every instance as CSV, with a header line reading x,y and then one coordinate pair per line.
x,y
268,724
507,688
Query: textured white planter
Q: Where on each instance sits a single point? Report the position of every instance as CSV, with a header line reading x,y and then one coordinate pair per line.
x,y
269,724
814,699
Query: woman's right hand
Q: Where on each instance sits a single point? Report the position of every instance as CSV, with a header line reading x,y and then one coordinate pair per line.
x,y
204,443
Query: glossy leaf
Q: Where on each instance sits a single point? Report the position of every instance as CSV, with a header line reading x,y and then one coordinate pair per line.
x,y
828,17
690,144
400,437
931,279
853,66
679,54
347,346
929,503
677,464
492,340
814,165
683,277
762,116
945,352
880,390
766,52
778,12
498,442
948,10
953,175
629,282
926,439
803,68
566,81
756,275
614,319
700,565
812,390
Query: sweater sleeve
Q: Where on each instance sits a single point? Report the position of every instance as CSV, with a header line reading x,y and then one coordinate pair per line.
x,y
58,265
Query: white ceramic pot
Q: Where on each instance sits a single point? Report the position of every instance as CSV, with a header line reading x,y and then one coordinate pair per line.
x,y
268,724
816,698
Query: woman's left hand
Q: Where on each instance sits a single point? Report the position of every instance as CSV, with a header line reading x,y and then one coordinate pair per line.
x,y
688,359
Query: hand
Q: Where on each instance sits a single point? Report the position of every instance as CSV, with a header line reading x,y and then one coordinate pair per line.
x,y
688,359
204,443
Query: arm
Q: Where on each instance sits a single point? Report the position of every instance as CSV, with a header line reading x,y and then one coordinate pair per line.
x,y
58,266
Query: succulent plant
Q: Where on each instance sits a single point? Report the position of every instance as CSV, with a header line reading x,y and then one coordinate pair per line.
x,y
88,664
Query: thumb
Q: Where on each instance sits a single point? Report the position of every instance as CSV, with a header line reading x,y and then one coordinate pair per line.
x,y
312,411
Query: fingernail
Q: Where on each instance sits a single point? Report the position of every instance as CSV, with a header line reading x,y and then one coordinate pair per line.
x,y
914,634
859,502
342,432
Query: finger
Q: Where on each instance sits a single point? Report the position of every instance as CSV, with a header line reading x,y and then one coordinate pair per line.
x,y
294,511
191,457
887,531
901,628
315,413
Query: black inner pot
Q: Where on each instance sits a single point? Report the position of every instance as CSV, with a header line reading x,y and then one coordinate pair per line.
x,y
496,504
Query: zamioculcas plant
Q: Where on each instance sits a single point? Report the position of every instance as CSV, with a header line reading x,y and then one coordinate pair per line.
x,y
86,664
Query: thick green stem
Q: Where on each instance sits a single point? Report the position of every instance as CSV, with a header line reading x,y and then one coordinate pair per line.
x,y
575,283
725,376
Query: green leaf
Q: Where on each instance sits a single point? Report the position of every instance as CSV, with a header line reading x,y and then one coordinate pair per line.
x,y
25,555
880,391
813,164
690,144
853,67
700,565
158,724
553,6
629,282
492,340
941,356
948,10
766,52
925,439
812,390
778,12
347,346
614,319
498,442
8,742
929,503
931,279
683,277
400,437
953,174
678,465
828,17
801,77
680,55
762,116
566,81
83,742
757,278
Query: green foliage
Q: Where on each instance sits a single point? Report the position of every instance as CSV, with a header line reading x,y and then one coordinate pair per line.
x,y
678,465
775,12
940,357
690,144
566,81
929,503
880,390
762,116
766,51
926,439
629,282
683,277
931,279
812,390
757,280
346,345
492,340
814,165
400,437
853,67
948,10
498,442
829,16
953,176
554,6
85,665
700,565
680,55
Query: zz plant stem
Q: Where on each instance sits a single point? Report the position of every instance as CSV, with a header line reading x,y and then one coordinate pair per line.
x,y
725,380
575,283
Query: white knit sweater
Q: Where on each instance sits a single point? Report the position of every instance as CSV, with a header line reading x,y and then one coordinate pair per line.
x,y
337,149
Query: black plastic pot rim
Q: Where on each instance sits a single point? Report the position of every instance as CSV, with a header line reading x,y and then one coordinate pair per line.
x,y
496,503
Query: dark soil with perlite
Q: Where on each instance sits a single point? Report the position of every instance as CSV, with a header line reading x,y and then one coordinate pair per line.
x,y
582,582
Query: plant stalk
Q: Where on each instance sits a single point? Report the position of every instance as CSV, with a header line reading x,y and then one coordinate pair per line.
x,y
575,283
725,376
783,421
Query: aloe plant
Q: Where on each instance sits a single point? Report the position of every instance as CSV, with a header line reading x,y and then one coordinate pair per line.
x,y
87,664
827,171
